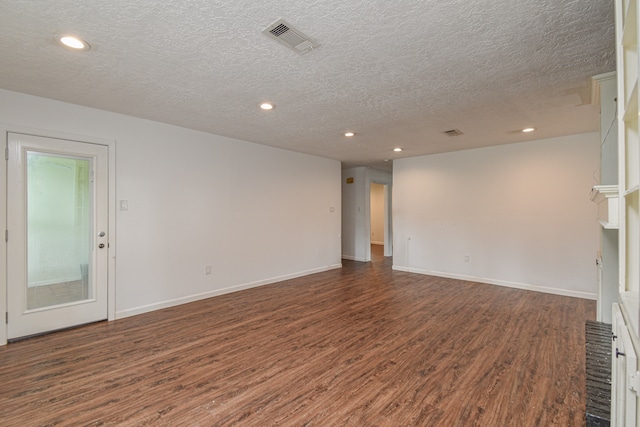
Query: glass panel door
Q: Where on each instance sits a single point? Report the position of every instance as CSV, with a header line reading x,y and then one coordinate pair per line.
x,y
58,245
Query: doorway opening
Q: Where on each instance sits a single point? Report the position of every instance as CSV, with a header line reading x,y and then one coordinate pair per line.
x,y
379,220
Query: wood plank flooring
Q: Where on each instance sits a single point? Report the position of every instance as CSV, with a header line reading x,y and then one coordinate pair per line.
x,y
358,346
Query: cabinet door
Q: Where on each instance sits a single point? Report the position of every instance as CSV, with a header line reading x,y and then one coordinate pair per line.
x,y
624,396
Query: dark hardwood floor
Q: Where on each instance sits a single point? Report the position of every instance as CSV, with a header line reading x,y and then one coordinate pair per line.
x,y
358,346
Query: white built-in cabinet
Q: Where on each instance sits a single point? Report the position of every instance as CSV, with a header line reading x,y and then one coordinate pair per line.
x,y
626,382
606,194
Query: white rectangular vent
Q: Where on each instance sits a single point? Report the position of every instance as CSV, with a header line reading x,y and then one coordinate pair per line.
x,y
289,36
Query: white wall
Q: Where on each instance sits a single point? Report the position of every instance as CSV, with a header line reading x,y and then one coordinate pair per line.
x,y
256,214
521,212
377,214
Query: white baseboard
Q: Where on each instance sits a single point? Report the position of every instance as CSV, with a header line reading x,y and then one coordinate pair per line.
x,y
55,281
121,314
516,285
354,258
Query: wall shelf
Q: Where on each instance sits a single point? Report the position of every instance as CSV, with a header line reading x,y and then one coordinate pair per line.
x,y
630,304
606,197
631,191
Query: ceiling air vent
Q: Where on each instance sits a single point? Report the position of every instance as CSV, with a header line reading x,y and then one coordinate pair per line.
x,y
453,132
287,35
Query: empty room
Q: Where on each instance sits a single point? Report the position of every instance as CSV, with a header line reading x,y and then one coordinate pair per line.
x,y
357,213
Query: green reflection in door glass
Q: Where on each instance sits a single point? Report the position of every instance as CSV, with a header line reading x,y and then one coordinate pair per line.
x,y
58,225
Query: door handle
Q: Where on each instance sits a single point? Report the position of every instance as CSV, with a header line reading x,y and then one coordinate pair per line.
x,y
101,245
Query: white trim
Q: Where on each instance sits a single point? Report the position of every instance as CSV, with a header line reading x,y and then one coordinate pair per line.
x,y
54,281
3,249
596,82
6,128
191,298
516,285
355,258
387,182
111,246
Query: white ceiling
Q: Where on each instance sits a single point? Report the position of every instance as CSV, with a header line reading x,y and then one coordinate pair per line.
x,y
398,73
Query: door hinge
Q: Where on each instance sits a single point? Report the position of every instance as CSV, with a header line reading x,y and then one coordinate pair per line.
x,y
6,317
6,235
634,382
6,153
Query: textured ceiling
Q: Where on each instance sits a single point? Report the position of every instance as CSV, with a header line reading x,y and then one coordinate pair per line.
x,y
398,73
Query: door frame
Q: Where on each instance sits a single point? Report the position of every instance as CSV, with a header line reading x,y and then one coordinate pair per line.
x,y
386,215
111,247
388,219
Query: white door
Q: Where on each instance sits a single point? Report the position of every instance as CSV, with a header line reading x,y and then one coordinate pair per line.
x,y
57,222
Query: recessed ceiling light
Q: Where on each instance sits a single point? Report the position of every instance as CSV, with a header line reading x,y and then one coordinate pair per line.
x,y
397,149
526,130
267,106
73,42
349,134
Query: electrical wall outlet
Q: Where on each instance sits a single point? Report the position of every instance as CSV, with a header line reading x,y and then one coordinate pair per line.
x,y
207,270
